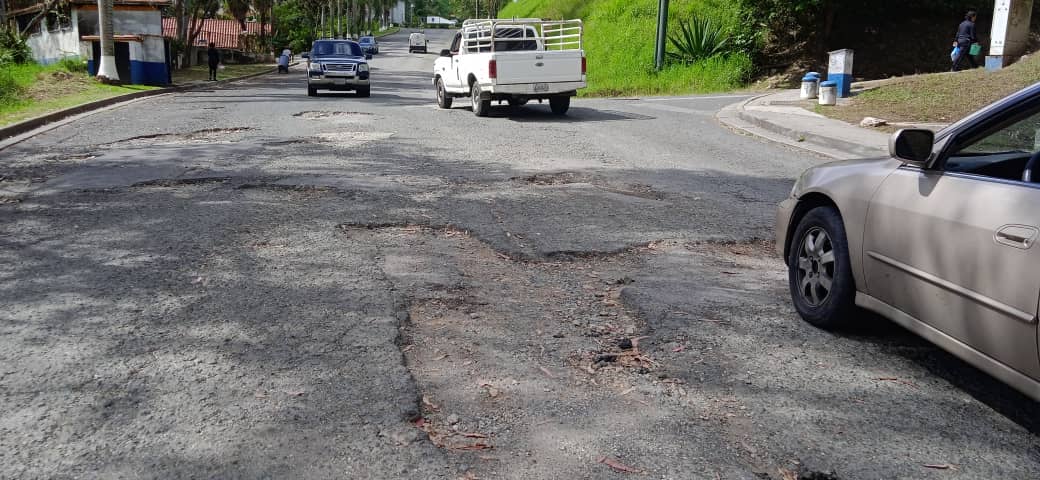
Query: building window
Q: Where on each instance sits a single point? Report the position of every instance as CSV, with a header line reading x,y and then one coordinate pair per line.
x,y
23,22
59,18
88,22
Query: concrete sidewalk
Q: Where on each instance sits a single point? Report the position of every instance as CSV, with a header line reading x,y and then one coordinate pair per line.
x,y
779,117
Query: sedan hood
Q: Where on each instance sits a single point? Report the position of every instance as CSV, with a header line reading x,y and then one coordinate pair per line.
x,y
821,175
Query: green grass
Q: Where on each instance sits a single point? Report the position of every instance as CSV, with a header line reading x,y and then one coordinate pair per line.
x,y
46,89
388,32
31,90
938,97
200,73
619,44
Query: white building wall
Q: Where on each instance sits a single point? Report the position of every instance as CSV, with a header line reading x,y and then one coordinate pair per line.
x,y
440,21
137,22
153,49
49,47
398,13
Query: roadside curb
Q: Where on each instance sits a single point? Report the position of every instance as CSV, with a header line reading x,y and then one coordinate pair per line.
x,y
27,126
790,133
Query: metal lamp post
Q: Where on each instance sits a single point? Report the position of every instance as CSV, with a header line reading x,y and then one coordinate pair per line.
x,y
662,34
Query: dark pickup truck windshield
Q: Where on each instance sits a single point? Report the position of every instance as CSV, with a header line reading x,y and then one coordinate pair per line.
x,y
337,49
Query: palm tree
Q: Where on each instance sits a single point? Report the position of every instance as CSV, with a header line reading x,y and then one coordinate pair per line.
x,y
239,9
107,72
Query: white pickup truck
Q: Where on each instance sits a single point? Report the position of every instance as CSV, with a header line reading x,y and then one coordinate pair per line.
x,y
514,61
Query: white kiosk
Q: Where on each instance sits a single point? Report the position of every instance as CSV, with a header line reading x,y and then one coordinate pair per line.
x,y
1010,33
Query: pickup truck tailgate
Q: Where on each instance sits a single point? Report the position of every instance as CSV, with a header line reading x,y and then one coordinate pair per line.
x,y
539,66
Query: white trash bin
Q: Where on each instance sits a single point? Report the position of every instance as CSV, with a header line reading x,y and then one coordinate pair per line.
x,y
810,87
828,93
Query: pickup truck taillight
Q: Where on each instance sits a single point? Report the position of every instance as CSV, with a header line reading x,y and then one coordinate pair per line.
x,y
492,69
583,65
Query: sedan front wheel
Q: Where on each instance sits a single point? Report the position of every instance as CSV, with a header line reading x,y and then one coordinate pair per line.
x,y
820,271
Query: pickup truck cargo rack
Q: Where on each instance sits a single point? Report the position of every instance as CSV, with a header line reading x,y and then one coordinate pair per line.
x,y
487,35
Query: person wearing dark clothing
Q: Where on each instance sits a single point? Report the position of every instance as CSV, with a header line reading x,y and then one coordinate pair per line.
x,y
965,38
214,61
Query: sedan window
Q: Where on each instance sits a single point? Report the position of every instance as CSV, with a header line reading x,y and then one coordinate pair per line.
x,y
1002,153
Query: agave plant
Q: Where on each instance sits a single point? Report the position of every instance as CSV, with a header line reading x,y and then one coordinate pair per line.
x,y
699,38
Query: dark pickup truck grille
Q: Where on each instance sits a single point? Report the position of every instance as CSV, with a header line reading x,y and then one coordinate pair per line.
x,y
340,67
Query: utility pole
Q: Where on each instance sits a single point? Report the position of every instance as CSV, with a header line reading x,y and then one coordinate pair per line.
x,y
662,34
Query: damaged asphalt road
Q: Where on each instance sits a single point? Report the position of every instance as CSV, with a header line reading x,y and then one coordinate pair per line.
x,y
247,282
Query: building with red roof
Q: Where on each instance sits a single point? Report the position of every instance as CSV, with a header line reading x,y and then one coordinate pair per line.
x,y
226,34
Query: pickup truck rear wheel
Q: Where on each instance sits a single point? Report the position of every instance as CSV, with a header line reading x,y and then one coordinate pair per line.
x,y
480,107
443,100
560,105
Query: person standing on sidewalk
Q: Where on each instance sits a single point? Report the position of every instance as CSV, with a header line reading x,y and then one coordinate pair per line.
x,y
965,38
214,61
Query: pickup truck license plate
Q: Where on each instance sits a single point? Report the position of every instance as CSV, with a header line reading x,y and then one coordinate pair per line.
x,y
541,87
340,81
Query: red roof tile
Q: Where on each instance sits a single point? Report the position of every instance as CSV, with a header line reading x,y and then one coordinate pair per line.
x,y
224,33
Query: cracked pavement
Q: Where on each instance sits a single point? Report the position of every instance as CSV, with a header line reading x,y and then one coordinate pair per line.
x,y
245,282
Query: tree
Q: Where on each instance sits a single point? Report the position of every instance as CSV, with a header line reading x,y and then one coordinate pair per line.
x,y
239,9
189,15
107,72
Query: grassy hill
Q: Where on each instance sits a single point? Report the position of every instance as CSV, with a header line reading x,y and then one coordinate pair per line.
x,y
619,44
938,97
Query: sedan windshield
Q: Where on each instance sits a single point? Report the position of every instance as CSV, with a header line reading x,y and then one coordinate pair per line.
x,y
367,40
346,49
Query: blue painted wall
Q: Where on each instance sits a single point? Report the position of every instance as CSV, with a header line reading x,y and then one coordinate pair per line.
x,y
148,73
141,73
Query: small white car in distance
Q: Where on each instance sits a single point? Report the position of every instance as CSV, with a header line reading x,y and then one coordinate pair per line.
x,y
417,42
512,61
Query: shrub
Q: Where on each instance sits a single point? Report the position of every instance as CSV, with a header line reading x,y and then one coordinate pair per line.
x,y
73,65
10,90
698,39
13,48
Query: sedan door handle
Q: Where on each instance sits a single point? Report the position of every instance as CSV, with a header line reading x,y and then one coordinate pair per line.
x,y
1017,236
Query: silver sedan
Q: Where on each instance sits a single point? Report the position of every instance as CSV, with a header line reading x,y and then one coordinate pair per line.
x,y
940,237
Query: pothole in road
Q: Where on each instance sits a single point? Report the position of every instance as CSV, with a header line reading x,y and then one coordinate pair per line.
x,y
638,190
560,178
352,139
320,114
179,182
533,366
208,135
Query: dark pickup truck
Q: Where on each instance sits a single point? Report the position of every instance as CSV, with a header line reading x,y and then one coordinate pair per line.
x,y
338,65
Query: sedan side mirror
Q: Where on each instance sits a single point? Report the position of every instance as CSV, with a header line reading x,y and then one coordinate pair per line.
x,y
912,145
445,53
305,55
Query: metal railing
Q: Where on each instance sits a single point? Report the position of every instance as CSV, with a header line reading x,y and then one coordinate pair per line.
x,y
489,35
